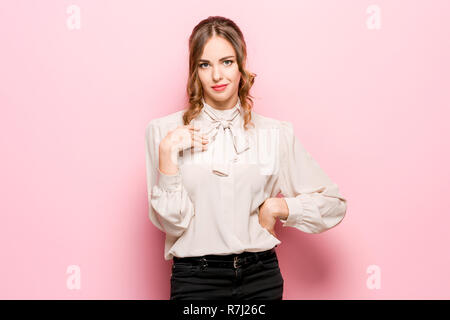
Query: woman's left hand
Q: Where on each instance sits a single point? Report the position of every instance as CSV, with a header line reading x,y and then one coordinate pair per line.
x,y
268,213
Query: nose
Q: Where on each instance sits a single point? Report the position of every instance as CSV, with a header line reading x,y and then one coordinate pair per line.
x,y
217,75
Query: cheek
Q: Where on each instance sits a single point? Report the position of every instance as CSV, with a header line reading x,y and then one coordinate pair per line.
x,y
234,75
201,77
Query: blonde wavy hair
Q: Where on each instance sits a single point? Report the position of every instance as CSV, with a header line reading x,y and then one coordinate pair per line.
x,y
202,32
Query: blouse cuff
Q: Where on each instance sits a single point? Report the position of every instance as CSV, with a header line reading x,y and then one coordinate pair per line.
x,y
295,212
170,182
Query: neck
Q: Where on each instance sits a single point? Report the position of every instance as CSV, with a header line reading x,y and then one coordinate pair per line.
x,y
222,105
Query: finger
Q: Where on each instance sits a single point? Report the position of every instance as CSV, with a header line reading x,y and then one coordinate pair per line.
x,y
198,139
192,127
199,136
198,146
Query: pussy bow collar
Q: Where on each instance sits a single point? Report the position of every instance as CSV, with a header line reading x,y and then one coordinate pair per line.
x,y
227,138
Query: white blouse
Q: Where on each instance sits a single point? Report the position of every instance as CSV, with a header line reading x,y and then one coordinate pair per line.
x,y
211,205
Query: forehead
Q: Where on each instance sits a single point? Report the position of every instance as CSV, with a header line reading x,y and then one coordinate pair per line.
x,y
217,48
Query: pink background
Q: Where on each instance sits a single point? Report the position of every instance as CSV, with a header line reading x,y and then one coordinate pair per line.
x,y
371,106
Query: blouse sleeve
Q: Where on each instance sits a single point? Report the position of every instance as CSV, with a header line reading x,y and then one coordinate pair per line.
x,y
170,208
314,202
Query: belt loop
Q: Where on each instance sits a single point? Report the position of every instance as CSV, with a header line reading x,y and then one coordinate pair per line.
x,y
204,263
235,262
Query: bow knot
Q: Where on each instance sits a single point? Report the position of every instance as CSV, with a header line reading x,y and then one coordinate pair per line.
x,y
221,160
226,124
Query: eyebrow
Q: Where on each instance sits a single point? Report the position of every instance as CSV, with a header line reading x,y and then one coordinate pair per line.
x,y
219,60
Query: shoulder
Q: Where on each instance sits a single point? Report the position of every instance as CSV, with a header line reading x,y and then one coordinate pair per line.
x,y
284,130
264,122
167,122
158,128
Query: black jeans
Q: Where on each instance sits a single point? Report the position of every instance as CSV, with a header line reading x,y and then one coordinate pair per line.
x,y
253,276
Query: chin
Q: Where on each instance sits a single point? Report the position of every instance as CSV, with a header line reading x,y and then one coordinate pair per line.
x,y
219,97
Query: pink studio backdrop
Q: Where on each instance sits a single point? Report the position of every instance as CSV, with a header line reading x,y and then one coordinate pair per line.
x,y
370,104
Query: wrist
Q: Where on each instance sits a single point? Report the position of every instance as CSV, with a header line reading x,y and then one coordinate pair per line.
x,y
168,159
165,148
283,209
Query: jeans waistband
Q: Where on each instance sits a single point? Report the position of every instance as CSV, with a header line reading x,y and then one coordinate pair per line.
x,y
232,260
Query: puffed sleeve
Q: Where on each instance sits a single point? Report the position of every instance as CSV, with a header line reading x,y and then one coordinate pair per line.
x,y
170,208
314,202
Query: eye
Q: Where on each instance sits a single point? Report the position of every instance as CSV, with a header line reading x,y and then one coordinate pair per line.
x,y
229,64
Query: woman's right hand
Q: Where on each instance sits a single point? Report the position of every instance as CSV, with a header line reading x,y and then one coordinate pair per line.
x,y
181,138
184,137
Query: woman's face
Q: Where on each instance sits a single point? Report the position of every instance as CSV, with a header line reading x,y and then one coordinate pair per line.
x,y
217,66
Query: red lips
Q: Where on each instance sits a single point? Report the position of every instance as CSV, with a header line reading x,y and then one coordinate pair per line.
x,y
219,86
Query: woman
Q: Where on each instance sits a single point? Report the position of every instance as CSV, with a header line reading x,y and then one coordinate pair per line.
x,y
214,171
